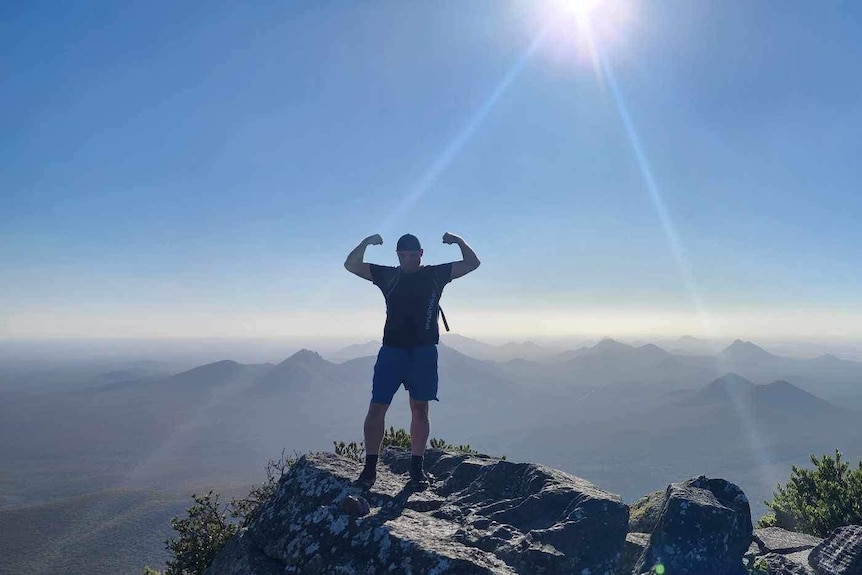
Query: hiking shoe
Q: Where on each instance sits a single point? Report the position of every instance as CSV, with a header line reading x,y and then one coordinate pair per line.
x,y
418,482
366,479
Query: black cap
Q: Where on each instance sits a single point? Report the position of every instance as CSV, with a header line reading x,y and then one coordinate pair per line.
x,y
408,243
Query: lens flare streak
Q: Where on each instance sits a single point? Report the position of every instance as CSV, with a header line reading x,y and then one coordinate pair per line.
x,y
673,240
756,443
454,147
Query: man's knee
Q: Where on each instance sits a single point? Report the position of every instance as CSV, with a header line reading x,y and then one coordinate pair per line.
x,y
419,409
377,411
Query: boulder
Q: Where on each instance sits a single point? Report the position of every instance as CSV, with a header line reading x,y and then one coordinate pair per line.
x,y
353,505
481,515
704,528
840,553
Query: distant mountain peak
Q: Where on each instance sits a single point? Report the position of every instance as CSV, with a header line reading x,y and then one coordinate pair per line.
x,y
690,345
728,385
779,396
304,352
731,378
612,350
609,343
652,348
304,357
745,351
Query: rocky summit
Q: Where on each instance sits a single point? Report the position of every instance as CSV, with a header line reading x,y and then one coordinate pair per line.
x,y
484,515
481,515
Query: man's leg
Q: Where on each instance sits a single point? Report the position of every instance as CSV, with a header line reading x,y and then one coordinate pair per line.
x,y
388,373
420,426
375,426
422,376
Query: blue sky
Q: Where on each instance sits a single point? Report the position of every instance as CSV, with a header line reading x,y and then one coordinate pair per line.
x,y
204,170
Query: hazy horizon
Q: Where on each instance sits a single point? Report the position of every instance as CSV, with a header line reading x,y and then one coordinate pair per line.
x,y
258,349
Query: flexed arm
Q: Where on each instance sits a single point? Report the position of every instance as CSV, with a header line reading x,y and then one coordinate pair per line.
x,y
469,260
354,262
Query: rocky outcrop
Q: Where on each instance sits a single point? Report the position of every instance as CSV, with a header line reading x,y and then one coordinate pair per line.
x,y
487,516
840,553
480,515
704,528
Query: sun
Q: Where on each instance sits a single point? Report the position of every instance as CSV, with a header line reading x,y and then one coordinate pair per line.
x,y
581,10
578,29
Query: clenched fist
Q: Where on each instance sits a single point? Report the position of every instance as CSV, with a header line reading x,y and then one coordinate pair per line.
x,y
374,240
450,238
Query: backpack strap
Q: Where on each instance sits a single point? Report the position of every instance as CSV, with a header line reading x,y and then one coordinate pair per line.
x,y
439,293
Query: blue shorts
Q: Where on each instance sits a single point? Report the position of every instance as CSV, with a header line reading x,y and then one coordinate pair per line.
x,y
416,368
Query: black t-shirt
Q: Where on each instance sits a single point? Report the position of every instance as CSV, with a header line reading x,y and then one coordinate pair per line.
x,y
412,303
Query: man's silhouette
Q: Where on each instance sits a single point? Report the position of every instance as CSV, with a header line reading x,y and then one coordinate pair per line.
x,y
410,336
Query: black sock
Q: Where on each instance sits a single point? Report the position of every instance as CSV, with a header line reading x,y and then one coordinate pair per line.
x,y
416,465
371,463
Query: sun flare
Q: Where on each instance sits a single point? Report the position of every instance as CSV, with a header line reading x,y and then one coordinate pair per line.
x,y
580,9
577,28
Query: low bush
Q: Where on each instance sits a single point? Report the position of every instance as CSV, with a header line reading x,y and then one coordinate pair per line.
x,y
819,500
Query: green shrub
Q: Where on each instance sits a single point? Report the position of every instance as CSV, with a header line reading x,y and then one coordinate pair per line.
x,y
396,438
208,525
202,534
356,451
758,567
817,501
768,520
353,450
464,448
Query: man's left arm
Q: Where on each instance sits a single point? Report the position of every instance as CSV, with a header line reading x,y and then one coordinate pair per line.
x,y
469,260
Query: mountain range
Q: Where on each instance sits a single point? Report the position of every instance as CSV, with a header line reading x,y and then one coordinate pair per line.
x,y
629,418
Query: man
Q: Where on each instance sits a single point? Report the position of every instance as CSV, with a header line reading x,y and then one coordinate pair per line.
x,y
410,336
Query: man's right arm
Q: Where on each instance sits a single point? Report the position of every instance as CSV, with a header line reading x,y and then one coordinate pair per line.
x,y
354,262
